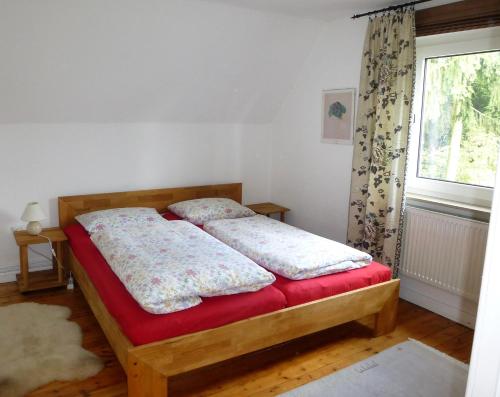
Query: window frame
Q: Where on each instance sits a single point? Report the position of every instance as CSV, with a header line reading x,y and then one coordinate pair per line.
x,y
448,44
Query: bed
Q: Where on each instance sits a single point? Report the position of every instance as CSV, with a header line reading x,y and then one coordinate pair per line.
x,y
149,363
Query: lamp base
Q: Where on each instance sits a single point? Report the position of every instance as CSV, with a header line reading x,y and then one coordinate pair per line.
x,y
34,228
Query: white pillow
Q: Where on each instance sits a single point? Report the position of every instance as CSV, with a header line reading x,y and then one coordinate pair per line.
x,y
200,211
118,217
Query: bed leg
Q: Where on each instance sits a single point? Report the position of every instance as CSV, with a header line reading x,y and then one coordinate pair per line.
x,y
386,319
144,381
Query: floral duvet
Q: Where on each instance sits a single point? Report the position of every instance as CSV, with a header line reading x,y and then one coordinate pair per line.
x,y
286,250
169,266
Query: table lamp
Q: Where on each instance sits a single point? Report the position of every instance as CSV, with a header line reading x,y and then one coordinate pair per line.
x,y
33,214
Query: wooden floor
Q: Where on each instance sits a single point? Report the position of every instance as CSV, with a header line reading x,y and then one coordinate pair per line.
x,y
265,373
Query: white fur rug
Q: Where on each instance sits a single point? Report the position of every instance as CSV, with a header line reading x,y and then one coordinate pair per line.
x,y
39,345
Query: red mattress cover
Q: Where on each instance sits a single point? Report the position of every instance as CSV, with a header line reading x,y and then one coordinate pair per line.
x,y
302,291
170,216
142,327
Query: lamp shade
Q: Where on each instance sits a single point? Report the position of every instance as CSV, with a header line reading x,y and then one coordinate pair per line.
x,y
33,213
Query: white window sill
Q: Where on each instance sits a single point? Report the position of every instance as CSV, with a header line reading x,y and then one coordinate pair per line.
x,y
448,203
450,207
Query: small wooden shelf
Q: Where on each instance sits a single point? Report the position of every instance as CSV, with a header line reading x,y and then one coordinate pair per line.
x,y
44,279
268,209
55,235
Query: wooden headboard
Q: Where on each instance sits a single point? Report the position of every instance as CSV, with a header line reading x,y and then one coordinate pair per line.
x,y
71,206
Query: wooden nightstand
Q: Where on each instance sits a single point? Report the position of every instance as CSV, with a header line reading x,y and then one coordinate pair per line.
x,y
32,281
268,209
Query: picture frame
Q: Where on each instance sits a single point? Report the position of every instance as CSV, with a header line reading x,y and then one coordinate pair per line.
x,y
337,116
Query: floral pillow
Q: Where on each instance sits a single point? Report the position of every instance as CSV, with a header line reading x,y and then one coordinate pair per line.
x,y
200,211
118,217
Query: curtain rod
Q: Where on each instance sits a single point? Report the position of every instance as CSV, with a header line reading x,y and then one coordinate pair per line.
x,y
390,8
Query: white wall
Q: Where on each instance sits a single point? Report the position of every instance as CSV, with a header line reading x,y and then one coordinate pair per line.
x,y
255,162
310,177
484,372
39,162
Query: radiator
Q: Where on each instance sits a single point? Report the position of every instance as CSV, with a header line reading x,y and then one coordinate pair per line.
x,y
445,251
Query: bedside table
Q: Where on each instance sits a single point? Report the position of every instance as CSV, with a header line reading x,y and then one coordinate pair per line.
x,y
33,281
268,209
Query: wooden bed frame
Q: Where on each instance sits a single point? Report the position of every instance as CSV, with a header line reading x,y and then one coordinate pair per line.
x,y
149,366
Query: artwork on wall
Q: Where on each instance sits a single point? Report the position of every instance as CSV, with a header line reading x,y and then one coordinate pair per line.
x,y
338,116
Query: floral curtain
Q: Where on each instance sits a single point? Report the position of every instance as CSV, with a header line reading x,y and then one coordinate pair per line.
x,y
381,137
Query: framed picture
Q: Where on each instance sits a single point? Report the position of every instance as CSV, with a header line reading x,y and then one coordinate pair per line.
x,y
338,116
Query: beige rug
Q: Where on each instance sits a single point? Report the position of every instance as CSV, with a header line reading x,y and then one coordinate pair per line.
x,y
410,369
39,345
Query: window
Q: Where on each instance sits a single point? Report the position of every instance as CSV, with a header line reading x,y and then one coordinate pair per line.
x,y
460,125
455,137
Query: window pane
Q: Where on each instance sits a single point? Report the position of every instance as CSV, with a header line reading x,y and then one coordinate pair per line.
x,y
460,134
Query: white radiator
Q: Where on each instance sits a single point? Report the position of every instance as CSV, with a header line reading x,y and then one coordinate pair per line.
x,y
445,251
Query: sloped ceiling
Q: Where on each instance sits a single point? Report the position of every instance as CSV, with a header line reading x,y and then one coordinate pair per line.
x,y
216,61
326,10
317,9
146,61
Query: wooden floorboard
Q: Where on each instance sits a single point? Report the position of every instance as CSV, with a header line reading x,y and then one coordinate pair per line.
x,y
265,373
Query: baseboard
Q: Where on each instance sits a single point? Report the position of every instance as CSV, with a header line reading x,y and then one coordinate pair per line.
x,y
8,273
447,304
